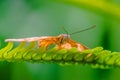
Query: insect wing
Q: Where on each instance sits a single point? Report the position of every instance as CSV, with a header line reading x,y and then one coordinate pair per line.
x,y
26,39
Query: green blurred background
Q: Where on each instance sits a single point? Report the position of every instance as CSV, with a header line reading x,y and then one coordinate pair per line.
x,y
30,18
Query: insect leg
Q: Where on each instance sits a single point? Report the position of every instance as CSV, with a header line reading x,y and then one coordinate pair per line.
x,y
45,43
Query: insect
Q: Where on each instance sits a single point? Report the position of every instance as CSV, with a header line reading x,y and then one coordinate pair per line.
x,y
63,41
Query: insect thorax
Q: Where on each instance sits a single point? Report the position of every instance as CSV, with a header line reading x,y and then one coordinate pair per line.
x,y
66,36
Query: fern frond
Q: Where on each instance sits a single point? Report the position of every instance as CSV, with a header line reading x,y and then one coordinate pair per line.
x,y
97,57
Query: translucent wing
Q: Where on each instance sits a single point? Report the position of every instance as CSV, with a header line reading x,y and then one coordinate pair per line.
x,y
45,41
26,39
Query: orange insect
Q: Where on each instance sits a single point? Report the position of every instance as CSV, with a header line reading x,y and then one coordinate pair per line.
x,y
62,41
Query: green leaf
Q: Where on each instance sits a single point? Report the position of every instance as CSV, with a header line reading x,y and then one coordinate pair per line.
x,y
97,57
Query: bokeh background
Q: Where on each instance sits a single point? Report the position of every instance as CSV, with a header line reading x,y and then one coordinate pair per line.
x,y
30,18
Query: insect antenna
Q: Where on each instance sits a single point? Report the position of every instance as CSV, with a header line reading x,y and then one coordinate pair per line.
x,y
84,30
64,29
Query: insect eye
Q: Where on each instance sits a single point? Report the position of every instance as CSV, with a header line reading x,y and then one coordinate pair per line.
x,y
66,36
